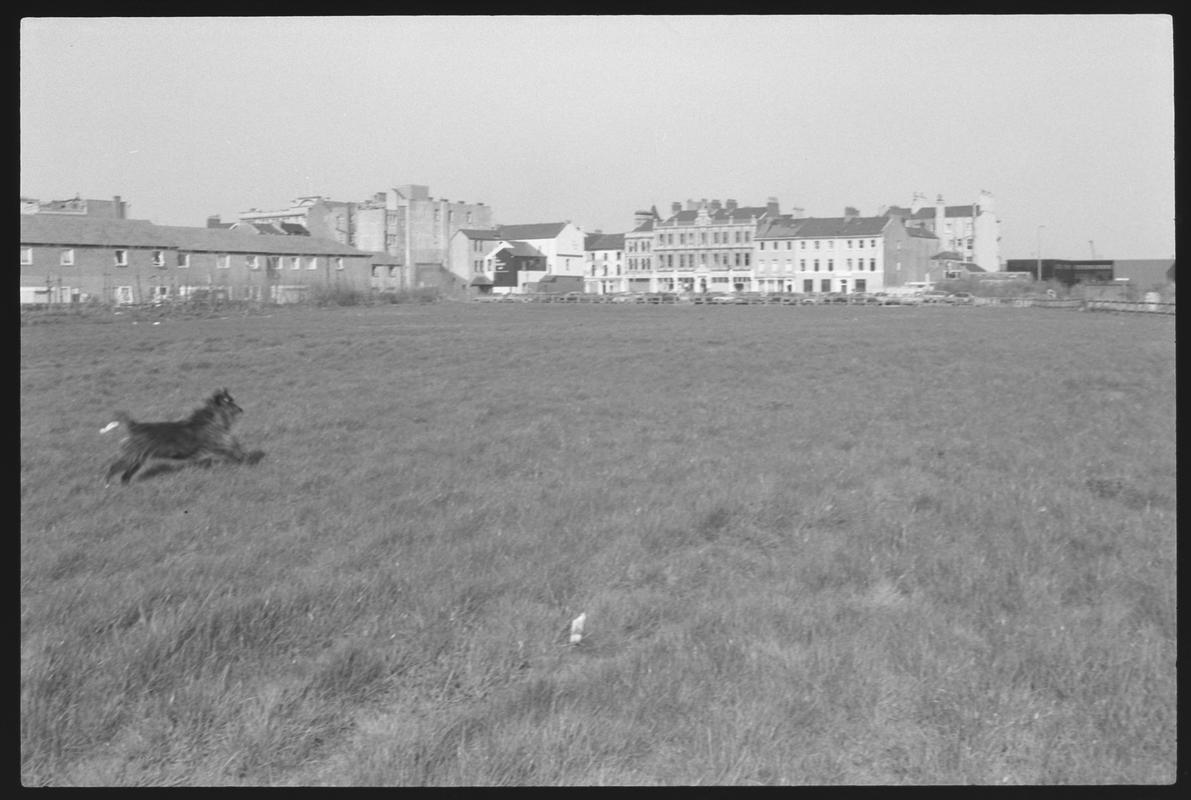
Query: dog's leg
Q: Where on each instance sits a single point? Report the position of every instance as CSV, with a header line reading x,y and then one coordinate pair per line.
x,y
131,467
116,466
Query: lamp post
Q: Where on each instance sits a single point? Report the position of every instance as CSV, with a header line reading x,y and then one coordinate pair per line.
x,y
1038,244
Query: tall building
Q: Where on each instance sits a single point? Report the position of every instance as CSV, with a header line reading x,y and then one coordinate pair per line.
x,y
706,246
405,223
972,231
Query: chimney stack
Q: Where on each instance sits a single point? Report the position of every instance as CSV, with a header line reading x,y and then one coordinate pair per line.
x,y
771,206
213,221
716,205
675,207
119,207
691,205
730,205
850,212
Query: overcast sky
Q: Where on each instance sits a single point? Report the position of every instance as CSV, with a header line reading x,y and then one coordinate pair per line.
x,y
1067,120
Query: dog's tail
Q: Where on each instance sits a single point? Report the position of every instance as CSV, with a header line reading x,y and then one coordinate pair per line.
x,y
121,419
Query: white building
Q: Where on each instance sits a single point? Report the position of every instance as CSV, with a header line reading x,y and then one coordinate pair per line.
x,y
973,231
605,267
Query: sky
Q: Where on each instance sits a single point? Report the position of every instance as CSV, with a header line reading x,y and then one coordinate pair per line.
x,y
1067,120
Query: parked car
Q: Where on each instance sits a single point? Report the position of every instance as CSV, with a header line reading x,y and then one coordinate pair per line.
x,y
961,298
810,300
934,297
863,299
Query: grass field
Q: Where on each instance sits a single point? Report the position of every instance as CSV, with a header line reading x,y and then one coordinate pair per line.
x,y
815,545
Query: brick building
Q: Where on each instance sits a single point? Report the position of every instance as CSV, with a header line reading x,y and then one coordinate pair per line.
x,y
70,259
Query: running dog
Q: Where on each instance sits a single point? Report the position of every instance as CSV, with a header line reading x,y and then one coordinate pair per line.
x,y
203,438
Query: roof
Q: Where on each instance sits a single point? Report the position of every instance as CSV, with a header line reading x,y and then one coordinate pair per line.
x,y
644,227
947,255
718,216
823,227
477,233
928,212
540,230
481,280
98,232
53,229
526,249
920,233
604,241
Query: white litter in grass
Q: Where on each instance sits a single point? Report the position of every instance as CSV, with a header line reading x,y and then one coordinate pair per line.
x,y
109,426
577,628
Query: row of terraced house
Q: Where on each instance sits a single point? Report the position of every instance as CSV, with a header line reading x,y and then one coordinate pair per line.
x,y
404,239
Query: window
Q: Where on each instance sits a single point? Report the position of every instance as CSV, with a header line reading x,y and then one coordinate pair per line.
x,y
66,258
826,285
861,285
183,260
253,262
121,258
872,265
816,265
849,265
312,262
816,244
802,245
789,244
860,244
159,258
802,264
762,245
26,256
831,265
272,262
338,263
295,262
223,261
872,242
808,285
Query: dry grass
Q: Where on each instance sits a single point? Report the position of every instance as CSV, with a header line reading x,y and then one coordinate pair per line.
x,y
815,546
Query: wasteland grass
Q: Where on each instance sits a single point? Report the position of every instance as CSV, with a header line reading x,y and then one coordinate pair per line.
x,y
815,546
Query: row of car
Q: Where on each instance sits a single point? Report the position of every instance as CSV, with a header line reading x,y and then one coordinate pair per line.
x,y
744,298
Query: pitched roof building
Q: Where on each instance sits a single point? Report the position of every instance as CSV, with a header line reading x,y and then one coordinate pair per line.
x,y
68,258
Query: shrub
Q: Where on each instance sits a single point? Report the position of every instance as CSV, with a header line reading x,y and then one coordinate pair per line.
x,y
337,295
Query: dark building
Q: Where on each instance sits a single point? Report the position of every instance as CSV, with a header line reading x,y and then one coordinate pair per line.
x,y
1065,271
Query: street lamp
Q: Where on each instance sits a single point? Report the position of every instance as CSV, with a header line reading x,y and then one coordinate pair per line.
x,y
1038,244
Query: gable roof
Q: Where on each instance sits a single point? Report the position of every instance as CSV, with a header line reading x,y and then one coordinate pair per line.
x,y
525,249
604,241
52,229
823,227
479,233
98,232
540,230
